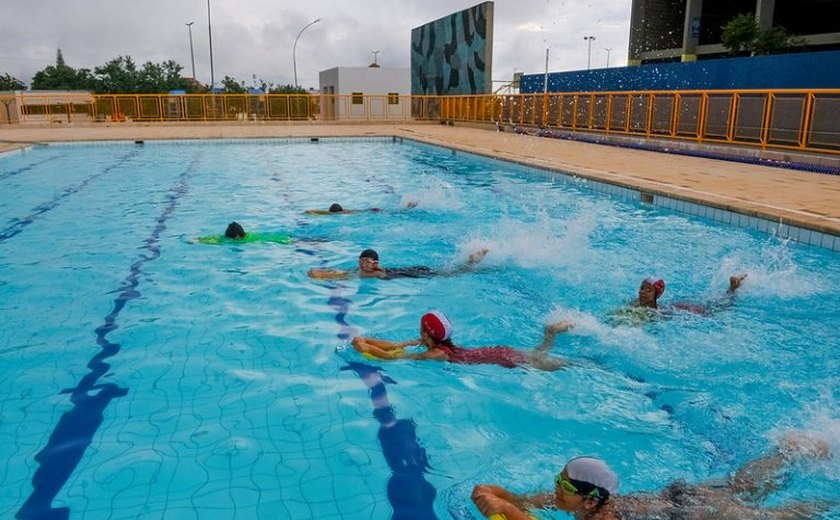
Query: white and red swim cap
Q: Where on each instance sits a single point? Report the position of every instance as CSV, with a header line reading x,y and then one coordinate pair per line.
x,y
436,325
658,284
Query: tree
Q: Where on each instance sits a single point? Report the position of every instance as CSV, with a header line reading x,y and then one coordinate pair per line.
x,y
160,78
287,89
118,76
62,77
231,86
9,82
743,35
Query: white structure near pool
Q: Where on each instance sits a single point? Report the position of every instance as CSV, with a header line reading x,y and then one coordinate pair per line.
x,y
365,93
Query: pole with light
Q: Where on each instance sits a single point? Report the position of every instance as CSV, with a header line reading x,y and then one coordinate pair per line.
x,y
192,52
589,39
545,78
210,36
294,47
608,56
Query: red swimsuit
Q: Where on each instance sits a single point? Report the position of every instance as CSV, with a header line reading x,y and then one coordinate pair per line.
x,y
507,357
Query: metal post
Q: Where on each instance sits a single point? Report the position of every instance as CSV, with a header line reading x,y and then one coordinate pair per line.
x,y
192,51
210,36
589,39
294,47
545,80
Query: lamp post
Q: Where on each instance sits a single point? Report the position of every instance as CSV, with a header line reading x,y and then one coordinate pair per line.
x,y
589,39
608,56
210,36
545,78
294,47
192,52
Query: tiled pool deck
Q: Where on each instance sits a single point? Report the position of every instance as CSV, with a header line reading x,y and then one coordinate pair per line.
x,y
793,204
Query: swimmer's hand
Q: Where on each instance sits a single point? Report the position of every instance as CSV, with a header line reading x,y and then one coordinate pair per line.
x,y
378,348
561,326
735,282
478,256
328,274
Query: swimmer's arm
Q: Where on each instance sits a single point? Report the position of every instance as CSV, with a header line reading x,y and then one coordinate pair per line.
x,y
389,345
380,348
328,274
551,333
467,266
432,354
494,500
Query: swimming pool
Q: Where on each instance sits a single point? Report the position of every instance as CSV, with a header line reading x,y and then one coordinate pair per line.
x,y
146,376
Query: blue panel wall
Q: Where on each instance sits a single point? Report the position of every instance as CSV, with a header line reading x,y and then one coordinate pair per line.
x,y
806,70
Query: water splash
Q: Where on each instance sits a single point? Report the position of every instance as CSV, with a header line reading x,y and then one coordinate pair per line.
x,y
773,273
436,194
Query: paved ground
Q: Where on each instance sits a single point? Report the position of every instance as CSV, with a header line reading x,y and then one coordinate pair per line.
x,y
809,200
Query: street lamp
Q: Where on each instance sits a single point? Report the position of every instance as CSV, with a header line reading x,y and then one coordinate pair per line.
x,y
192,52
590,39
210,36
608,56
294,47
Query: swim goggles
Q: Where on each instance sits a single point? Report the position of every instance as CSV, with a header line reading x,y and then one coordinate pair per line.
x,y
567,487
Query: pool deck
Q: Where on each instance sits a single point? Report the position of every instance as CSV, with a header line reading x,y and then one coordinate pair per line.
x,y
805,199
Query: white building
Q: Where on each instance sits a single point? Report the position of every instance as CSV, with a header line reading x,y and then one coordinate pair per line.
x,y
365,93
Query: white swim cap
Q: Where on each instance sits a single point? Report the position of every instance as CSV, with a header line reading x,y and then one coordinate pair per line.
x,y
593,471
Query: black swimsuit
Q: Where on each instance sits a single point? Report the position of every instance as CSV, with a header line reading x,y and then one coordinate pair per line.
x,y
415,271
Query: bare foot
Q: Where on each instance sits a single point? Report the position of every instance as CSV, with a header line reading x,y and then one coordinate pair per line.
x,y
735,281
797,444
478,256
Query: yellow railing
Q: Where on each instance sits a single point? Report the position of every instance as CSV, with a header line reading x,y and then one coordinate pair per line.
x,y
805,120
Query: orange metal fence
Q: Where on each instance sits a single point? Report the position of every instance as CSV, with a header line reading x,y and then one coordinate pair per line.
x,y
806,120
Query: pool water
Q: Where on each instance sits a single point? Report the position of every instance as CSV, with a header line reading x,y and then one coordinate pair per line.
x,y
148,376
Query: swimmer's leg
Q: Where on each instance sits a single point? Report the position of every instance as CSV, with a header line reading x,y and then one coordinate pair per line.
x,y
796,511
756,479
542,361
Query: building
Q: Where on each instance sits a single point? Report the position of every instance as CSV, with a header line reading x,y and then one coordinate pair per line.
x,y
365,93
46,106
688,30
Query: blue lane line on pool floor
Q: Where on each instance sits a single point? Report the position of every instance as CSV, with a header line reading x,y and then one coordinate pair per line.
x,y
411,496
76,428
18,225
23,169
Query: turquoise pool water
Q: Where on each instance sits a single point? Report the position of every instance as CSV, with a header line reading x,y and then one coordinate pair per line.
x,y
146,376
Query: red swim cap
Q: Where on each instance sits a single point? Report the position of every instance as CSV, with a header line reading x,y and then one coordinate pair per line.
x,y
436,325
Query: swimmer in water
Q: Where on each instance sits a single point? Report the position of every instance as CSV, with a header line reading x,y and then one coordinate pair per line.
x,y
369,268
336,209
646,306
586,489
235,234
436,336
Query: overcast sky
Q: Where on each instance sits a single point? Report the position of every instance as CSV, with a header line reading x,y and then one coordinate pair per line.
x,y
255,37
